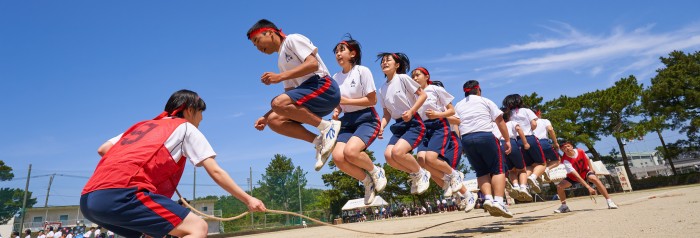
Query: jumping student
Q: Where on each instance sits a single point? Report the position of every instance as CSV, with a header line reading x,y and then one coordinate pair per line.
x,y
578,170
516,162
129,192
534,156
477,115
360,122
440,151
548,140
401,98
310,93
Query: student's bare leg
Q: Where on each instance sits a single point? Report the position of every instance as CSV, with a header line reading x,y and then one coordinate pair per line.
x,y
522,176
191,226
485,184
355,154
599,185
285,106
341,161
435,174
284,126
432,160
400,154
499,185
560,190
552,164
390,160
537,169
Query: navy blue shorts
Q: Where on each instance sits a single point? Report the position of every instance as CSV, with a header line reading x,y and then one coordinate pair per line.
x,y
363,124
483,151
319,95
515,159
575,182
549,152
534,155
441,140
130,213
411,131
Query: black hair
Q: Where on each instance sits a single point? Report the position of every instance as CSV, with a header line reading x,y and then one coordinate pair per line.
x,y
506,115
400,58
28,231
437,83
513,101
187,98
262,23
354,45
470,85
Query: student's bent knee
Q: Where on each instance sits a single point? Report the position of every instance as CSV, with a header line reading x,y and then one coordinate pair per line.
x,y
280,102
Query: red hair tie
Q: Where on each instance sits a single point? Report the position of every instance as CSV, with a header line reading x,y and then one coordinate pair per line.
x,y
466,90
395,56
424,71
348,45
261,30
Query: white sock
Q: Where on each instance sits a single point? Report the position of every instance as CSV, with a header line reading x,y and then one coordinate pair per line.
x,y
532,176
488,197
455,173
317,140
374,170
516,186
323,125
499,199
609,200
367,179
446,177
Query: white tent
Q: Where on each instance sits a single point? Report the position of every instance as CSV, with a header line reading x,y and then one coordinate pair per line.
x,y
360,203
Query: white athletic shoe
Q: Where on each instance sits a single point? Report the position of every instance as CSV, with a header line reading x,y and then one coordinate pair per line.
x,y
467,203
524,195
318,145
612,205
422,182
489,207
414,189
446,187
512,192
328,138
500,210
369,192
545,175
562,209
379,179
534,185
457,182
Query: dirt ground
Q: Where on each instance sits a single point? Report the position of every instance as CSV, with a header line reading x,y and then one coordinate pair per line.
x,y
667,212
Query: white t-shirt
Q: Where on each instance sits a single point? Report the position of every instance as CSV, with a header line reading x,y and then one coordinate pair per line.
x,y
523,116
357,83
476,114
437,100
28,236
292,53
496,132
51,233
40,236
58,234
186,141
87,234
512,132
398,95
69,235
567,165
541,130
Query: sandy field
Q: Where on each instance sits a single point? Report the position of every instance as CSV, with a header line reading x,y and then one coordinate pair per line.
x,y
666,212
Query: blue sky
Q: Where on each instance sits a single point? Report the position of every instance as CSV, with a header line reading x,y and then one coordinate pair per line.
x,y
76,73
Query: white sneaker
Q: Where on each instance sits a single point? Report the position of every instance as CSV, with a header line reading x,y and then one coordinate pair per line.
x,y
446,187
379,179
612,205
457,182
545,175
562,209
488,206
369,192
524,195
512,192
500,210
534,185
414,189
328,138
467,203
422,182
318,144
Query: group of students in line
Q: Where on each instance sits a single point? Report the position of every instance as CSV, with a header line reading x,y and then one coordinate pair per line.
x,y
92,232
130,191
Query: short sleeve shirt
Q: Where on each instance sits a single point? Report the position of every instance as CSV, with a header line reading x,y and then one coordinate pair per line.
x,y
476,114
357,83
185,141
292,53
541,130
398,95
437,100
523,116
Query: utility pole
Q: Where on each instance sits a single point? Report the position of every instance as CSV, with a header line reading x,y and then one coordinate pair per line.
x,y
299,186
24,201
46,203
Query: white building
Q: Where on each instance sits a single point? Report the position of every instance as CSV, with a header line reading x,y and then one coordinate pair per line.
x,y
70,216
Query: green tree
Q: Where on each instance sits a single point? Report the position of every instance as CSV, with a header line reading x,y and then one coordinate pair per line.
x,y
11,202
5,172
533,101
282,184
571,122
615,107
675,92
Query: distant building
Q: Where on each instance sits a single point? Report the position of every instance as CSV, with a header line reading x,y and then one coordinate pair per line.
x,y
652,163
70,216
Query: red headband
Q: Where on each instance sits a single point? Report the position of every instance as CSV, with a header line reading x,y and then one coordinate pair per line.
x,y
425,71
466,90
261,30
395,56
348,45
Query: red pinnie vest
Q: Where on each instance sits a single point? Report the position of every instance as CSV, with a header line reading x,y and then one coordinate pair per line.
x,y
579,164
141,160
